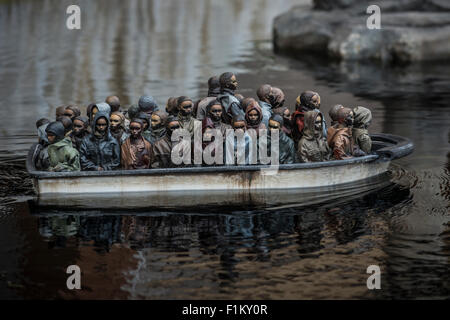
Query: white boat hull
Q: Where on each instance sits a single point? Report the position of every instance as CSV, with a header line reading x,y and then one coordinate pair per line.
x,y
207,181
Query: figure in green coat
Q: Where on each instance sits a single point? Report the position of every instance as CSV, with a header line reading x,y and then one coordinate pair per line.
x,y
363,119
313,146
62,156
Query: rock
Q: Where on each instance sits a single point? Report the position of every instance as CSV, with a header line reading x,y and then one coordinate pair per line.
x,y
338,30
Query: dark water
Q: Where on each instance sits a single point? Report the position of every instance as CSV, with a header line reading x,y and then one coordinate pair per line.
x,y
169,48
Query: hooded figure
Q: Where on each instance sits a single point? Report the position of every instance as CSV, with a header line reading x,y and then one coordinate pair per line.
x,y
333,113
101,107
41,122
40,154
148,105
158,126
163,147
231,155
215,111
42,135
185,118
146,133
117,126
62,156
285,144
132,112
342,141
208,137
307,101
276,98
100,150
263,94
67,123
171,106
213,92
227,97
79,132
286,114
136,152
361,138
313,147
253,115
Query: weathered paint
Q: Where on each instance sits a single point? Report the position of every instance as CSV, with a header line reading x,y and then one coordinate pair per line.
x,y
233,181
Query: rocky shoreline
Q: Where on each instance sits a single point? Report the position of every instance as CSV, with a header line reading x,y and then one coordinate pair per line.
x,y
410,30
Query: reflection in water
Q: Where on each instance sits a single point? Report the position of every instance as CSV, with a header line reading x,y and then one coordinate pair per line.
x,y
160,47
167,48
175,253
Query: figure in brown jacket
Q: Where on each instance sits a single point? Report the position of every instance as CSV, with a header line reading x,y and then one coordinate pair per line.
x,y
136,151
334,121
341,141
163,147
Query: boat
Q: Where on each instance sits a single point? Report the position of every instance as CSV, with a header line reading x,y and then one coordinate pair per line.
x,y
283,185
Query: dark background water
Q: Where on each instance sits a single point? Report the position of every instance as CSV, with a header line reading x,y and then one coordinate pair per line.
x,y
170,48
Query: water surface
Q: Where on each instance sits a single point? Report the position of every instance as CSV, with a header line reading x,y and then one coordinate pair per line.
x,y
170,48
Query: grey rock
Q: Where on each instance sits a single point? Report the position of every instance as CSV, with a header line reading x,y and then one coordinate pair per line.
x,y
339,30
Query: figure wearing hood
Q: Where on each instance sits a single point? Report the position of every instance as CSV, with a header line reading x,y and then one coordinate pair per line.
x,y
263,94
227,97
286,115
40,154
158,126
213,93
67,123
171,106
276,97
148,105
285,144
41,125
117,126
163,147
146,133
215,112
334,121
253,115
185,118
100,150
313,147
62,156
307,101
136,152
231,155
101,107
342,141
132,112
253,118
79,132
208,137
361,138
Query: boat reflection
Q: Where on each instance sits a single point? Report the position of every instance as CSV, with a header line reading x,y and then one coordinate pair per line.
x,y
211,247
174,229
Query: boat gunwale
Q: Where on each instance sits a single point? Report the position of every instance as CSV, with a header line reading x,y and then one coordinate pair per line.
x,y
401,147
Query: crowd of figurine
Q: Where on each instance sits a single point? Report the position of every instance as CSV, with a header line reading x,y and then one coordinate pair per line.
x,y
110,138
